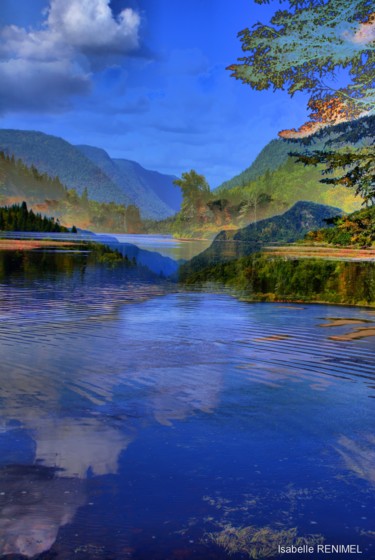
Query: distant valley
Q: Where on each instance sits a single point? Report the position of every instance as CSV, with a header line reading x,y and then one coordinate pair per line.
x,y
85,167
83,185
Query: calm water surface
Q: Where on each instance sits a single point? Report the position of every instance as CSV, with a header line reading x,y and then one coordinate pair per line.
x,y
166,245
141,422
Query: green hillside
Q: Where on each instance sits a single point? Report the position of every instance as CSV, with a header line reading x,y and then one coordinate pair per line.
x,y
47,195
290,183
274,155
88,168
273,183
19,181
271,194
56,157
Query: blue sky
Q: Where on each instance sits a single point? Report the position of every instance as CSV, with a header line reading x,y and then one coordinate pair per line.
x,y
143,79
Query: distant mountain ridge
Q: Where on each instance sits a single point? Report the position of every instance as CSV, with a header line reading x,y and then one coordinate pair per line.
x,y
81,167
153,192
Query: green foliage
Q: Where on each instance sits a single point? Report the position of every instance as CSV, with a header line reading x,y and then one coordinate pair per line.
x,y
305,45
246,202
260,277
17,217
356,229
133,219
351,135
161,226
359,165
195,193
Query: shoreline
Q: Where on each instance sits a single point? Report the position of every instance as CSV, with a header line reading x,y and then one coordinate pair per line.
x,y
30,244
324,252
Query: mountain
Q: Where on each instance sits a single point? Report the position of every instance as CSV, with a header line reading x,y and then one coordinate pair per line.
x,y
153,192
56,157
18,179
275,154
83,167
285,228
161,184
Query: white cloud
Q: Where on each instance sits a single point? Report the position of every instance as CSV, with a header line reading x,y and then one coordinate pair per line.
x,y
89,26
43,68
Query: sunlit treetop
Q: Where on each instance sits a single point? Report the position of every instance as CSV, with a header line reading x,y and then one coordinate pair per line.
x,y
304,47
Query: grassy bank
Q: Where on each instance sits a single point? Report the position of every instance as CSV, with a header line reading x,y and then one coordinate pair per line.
x,y
265,277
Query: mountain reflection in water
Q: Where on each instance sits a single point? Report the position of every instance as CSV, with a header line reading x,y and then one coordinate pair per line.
x,y
134,426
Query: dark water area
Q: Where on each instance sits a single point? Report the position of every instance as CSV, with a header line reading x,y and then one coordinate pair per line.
x,y
138,421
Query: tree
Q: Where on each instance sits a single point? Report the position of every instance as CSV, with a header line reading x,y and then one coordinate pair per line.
x,y
304,48
359,165
195,194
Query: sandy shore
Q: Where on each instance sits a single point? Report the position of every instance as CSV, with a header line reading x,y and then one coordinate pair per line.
x,y
29,244
343,322
321,252
272,338
359,333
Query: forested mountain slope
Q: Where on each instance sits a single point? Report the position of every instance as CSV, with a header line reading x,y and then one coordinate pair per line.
x,y
275,154
56,157
86,167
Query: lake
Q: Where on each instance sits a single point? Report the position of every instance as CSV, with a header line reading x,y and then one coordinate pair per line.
x,y
166,245
140,421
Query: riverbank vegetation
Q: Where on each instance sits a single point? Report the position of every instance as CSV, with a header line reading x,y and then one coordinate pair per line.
x,y
262,277
357,229
34,259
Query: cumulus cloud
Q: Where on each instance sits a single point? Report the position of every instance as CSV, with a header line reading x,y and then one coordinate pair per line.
x,y
41,69
89,26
